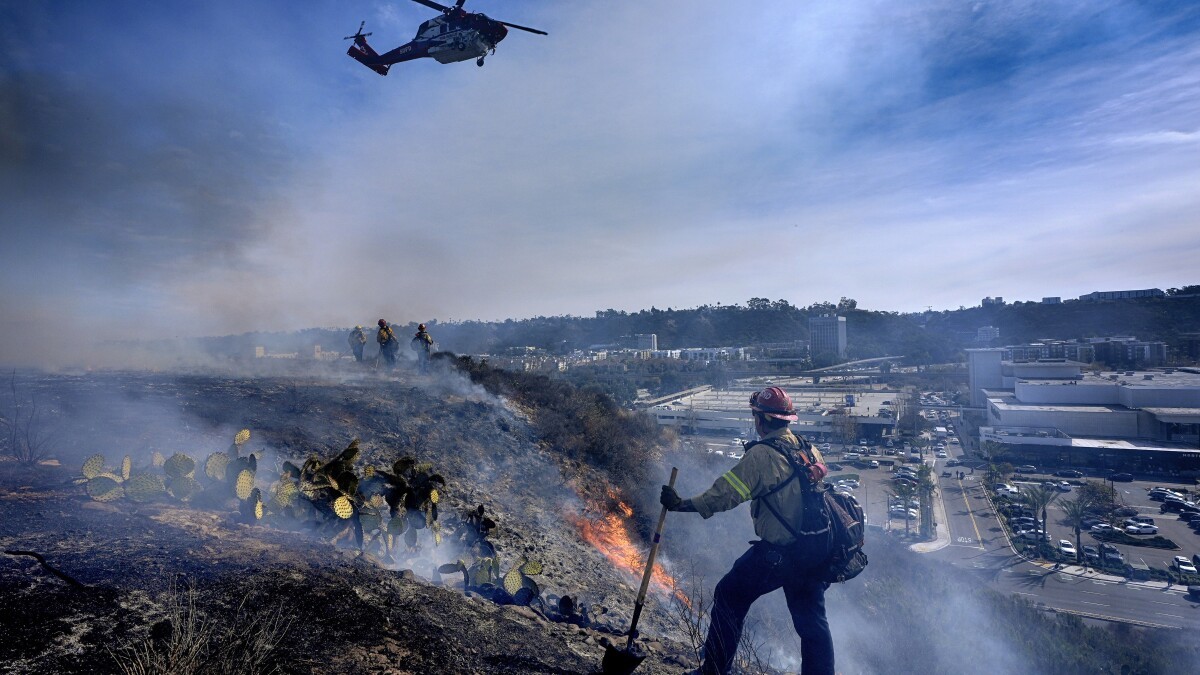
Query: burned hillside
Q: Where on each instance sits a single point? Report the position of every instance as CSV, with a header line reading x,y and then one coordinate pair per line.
x,y
491,453
569,481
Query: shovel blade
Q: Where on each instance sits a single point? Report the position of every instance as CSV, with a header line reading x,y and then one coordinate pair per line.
x,y
619,661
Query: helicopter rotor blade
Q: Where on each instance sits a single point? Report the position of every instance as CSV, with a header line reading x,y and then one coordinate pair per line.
x,y
358,33
524,28
433,5
460,3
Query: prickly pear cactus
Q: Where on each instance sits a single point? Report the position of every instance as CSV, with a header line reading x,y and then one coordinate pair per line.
x,y
241,437
215,466
126,467
179,465
342,507
244,484
285,495
157,459
144,487
93,466
183,488
104,489
251,507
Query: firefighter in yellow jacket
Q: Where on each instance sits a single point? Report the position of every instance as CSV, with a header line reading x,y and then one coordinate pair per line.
x,y
778,474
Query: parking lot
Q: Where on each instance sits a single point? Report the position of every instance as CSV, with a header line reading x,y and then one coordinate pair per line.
x,y
1136,495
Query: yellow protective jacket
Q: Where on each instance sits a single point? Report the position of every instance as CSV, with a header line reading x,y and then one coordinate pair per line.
x,y
760,470
385,336
424,339
357,337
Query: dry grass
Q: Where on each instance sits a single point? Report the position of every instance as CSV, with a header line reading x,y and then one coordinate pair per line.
x,y
187,642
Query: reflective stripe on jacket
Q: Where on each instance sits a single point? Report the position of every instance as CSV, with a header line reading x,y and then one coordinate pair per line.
x,y
760,470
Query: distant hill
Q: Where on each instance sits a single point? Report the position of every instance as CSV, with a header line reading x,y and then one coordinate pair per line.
x,y
926,337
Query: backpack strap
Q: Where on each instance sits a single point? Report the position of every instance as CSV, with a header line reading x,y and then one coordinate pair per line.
x,y
796,473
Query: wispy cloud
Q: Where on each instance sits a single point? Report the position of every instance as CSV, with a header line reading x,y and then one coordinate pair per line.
x,y
228,171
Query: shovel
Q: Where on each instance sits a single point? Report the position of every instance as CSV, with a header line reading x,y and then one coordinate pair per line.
x,y
619,661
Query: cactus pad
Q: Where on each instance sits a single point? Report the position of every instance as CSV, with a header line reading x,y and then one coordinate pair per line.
x,y
342,507
434,496
531,567
179,465
93,466
370,521
397,525
183,488
369,472
241,437
144,487
104,489
244,484
285,494
215,466
512,581
126,467
157,459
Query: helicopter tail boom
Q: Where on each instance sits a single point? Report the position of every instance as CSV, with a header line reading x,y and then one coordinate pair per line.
x,y
363,53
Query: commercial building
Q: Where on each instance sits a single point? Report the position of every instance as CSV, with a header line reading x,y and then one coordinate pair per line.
x,y
827,335
1099,296
646,341
824,413
1050,413
987,334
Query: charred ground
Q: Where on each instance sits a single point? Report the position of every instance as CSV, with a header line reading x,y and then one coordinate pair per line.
x,y
343,612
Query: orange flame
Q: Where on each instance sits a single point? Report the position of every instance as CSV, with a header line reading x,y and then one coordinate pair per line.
x,y
609,533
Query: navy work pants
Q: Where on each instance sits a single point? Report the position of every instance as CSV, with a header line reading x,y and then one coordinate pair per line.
x,y
759,571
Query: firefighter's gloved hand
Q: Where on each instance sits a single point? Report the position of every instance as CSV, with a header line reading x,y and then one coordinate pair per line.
x,y
672,501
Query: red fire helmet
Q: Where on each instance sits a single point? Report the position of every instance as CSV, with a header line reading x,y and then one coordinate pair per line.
x,y
773,402
382,322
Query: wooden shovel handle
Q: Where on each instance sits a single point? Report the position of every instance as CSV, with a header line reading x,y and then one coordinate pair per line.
x,y
641,598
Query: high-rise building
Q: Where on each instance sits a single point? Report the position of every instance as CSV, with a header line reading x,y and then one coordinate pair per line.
x,y
827,334
646,341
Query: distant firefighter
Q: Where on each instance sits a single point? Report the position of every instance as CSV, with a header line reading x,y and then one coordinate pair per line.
x,y
357,340
422,344
388,344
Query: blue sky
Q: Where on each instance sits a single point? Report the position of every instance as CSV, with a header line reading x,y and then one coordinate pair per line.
x,y
173,168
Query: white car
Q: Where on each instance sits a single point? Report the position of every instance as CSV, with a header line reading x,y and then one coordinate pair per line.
x,y
1102,527
1184,565
1141,528
941,454
1066,547
848,482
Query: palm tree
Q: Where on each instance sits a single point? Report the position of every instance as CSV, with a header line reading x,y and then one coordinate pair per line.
x,y
904,491
1076,510
1038,498
926,487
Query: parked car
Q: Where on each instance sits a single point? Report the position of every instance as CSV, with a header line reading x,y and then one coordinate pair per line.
x,y
1064,486
1189,516
1141,528
953,462
1122,477
1066,547
1026,468
850,482
1090,553
1069,473
1033,535
941,454
1183,565
1146,520
1125,511
1102,527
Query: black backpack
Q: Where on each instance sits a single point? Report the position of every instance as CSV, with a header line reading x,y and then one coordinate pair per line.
x,y
849,525
833,524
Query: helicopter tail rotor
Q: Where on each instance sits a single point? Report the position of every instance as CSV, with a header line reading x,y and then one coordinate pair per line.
x,y
358,33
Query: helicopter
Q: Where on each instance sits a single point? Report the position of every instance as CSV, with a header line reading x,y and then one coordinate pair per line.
x,y
456,35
